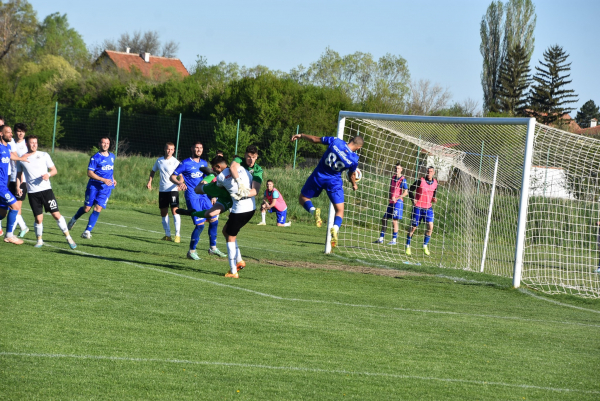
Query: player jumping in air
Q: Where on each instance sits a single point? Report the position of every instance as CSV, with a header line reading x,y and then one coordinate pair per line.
x,y
37,172
273,201
422,193
8,203
168,196
192,174
99,187
338,157
398,190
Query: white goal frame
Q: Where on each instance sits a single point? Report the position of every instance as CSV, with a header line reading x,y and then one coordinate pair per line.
x,y
530,123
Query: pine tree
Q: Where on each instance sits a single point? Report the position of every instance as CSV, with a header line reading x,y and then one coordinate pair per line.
x,y
548,95
588,111
514,81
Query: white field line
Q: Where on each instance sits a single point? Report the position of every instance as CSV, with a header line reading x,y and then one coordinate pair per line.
x,y
262,294
298,369
524,291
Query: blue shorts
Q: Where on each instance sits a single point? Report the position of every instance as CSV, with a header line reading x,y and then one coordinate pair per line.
x,y
6,198
98,193
281,216
197,202
419,214
314,185
394,210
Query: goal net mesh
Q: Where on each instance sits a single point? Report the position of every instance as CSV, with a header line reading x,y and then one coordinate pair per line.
x,y
479,170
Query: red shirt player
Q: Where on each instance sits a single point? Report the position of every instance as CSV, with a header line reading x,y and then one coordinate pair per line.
x,y
422,193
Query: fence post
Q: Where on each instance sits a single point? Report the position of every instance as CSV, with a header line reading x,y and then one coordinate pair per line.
x,y
118,126
178,131
296,148
237,134
54,132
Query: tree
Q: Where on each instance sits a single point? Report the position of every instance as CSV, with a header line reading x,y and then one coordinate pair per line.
x,y
426,98
55,37
139,42
519,26
18,22
514,81
548,95
588,111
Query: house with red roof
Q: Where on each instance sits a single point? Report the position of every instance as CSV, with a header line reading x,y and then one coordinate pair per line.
x,y
159,68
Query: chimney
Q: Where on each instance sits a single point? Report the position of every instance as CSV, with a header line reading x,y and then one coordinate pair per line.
x,y
128,50
145,56
593,123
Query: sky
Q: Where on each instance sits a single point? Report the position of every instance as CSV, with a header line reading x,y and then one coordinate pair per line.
x,y
438,38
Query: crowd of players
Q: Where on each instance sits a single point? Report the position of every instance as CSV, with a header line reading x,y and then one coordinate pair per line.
x,y
209,191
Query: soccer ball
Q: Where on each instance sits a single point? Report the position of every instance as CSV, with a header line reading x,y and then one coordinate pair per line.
x,y
358,175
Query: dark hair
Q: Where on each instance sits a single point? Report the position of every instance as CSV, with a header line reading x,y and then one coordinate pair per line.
x,y
357,140
2,127
220,152
270,181
398,164
431,167
218,160
29,137
169,144
106,137
197,143
20,127
252,150
2,118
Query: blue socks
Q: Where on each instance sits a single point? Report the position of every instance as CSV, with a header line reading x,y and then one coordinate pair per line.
x,y
12,220
92,221
196,237
79,213
337,221
427,238
212,232
308,205
394,236
408,238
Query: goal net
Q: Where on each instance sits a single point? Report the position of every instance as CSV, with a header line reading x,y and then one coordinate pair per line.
x,y
515,198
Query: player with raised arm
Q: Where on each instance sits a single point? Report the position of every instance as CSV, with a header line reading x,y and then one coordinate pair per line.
x,y
398,190
423,195
99,188
190,170
37,172
8,202
168,196
273,201
338,157
20,148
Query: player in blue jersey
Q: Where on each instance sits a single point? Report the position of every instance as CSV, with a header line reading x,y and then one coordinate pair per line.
x,y
191,174
8,202
327,176
99,187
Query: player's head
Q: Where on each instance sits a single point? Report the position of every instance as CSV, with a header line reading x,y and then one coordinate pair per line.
x,y
6,133
430,172
218,164
169,149
398,169
32,143
197,149
20,130
104,144
270,185
356,143
220,153
251,155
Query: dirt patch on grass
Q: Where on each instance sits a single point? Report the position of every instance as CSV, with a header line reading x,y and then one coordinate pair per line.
x,y
347,268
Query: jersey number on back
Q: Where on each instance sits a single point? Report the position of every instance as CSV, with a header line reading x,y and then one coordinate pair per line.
x,y
334,163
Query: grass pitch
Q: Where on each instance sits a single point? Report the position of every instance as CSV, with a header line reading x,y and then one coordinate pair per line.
x,y
127,316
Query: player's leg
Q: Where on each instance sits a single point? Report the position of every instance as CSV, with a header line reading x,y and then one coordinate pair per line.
x,y
335,192
384,221
416,217
101,200
8,202
428,231
62,224
230,231
213,227
91,191
12,186
263,214
310,190
163,205
396,216
176,217
281,218
194,203
38,227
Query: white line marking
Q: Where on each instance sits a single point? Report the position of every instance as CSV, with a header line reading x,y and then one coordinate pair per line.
x,y
524,291
262,294
300,369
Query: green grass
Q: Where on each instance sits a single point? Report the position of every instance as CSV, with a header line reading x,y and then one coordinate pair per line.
x,y
126,316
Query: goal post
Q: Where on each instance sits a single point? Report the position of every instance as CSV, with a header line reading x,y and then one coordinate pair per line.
x,y
515,198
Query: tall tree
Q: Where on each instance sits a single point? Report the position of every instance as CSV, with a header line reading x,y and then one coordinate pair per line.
x,y
139,42
588,111
548,95
519,26
18,22
55,37
514,81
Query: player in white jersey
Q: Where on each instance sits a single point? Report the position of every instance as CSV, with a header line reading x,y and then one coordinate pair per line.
x,y
20,148
168,196
37,174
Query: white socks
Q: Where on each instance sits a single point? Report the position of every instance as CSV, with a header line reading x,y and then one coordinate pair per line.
x,y
263,215
21,222
238,254
62,224
231,254
166,226
39,229
312,210
177,219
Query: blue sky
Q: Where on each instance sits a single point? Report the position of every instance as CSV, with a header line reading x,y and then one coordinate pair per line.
x,y
438,38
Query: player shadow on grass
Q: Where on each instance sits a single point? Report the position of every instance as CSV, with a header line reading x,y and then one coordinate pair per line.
x,y
152,241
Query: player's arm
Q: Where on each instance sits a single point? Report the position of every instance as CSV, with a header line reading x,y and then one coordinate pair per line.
x,y
14,156
150,178
310,138
95,176
412,190
404,187
434,198
51,173
353,180
20,180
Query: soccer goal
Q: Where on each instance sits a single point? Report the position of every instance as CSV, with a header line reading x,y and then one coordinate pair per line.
x,y
515,198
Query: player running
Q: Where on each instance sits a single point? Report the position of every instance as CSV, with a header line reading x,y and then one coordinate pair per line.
x,y
99,187
190,170
168,196
338,157
37,172
8,202
398,190
422,193
20,148
273,201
